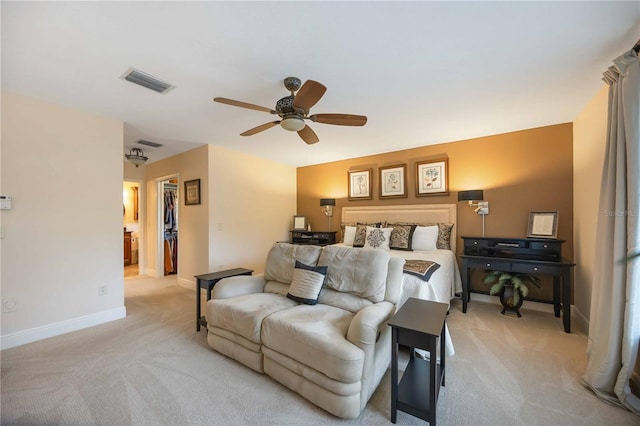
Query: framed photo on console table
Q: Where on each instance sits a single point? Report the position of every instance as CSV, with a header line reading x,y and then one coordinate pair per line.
x,y
299,223
543,225
432,177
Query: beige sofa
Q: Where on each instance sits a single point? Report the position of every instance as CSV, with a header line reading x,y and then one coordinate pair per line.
x,y
333,353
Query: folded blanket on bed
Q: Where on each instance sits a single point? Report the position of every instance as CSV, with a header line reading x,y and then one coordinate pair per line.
x,y
422,269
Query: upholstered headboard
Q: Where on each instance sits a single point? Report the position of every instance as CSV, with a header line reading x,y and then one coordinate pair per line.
x,y
418,213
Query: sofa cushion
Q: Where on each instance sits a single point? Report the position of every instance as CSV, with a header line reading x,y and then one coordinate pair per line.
x,y
243,315
357,271
306,283
319,332
282,259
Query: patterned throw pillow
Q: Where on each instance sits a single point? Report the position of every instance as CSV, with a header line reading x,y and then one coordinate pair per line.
x,y
361,233
401,236
306,283
377,238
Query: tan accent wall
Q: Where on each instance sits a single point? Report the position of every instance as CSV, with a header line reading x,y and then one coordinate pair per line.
x,y
520,172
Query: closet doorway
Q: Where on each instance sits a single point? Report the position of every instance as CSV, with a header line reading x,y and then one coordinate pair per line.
x,y
168,221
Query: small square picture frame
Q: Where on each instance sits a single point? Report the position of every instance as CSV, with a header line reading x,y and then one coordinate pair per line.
x,y
299,223
543,225
192,192
393,181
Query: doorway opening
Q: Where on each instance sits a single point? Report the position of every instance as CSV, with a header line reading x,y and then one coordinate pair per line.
x,y
168,224
131,221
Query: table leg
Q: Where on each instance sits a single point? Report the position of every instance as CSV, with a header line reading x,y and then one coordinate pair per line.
x,y
394,374
566,299
465,287
434,382
198,304
443,343
557,291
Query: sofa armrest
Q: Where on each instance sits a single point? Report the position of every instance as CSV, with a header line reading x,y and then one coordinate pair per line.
x,y
366,324
238,286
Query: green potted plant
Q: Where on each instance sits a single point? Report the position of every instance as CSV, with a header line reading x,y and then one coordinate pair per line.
x,y
512,288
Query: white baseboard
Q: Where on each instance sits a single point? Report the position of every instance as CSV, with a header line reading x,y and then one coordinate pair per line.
x,y
190,284
50,330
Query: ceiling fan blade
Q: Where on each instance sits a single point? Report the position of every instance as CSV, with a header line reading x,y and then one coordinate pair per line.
x,y
310,93
243,105
308,135
260,128
340,119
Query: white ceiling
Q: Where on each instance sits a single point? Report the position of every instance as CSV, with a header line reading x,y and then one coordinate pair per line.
x,y
422,72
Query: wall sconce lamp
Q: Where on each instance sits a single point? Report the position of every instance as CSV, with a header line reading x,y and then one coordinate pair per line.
x,y
327,208
136,157
481,207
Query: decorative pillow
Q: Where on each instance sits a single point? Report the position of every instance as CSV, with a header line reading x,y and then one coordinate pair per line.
x,y
401,236
425,238
377,238
349,235
444,235
361,233
306,283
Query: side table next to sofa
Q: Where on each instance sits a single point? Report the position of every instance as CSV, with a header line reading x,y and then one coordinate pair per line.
x,y
207,281
418,324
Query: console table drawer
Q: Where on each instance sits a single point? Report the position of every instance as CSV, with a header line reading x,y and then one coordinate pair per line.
x,y
555,247
496,265
535,269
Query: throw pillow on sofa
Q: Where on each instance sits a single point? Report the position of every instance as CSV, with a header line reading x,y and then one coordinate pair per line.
x,y
306,283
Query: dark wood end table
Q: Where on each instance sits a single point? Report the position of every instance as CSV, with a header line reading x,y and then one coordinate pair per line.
x,y
207,281
418,324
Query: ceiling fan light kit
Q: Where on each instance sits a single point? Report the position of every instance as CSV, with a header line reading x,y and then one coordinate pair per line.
x,y
294,109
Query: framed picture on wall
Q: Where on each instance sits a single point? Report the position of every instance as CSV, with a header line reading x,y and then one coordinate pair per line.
x,y
543,225
360,184
393,181
432,177
192,192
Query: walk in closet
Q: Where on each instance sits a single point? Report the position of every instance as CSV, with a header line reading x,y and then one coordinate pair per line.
x,y
170,193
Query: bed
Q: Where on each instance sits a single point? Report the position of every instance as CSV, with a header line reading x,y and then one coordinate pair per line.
x,y
444,283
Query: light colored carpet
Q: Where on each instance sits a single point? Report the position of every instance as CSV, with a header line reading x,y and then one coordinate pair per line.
x,y
152,368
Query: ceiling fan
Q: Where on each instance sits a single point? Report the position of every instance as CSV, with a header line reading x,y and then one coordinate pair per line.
x,y
294,109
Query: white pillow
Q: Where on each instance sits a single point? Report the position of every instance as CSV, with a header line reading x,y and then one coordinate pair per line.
x,y
377,238
349,235
425,238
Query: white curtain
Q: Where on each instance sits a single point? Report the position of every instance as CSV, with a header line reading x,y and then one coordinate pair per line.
x,y
614,328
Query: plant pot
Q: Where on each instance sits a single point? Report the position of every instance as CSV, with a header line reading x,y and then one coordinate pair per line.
x,y
506,298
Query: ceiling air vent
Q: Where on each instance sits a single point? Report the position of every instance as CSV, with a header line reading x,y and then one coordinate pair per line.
x,y
149,143
147,80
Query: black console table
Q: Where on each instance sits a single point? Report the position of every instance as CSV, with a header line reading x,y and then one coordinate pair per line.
x,y
318,238
527,255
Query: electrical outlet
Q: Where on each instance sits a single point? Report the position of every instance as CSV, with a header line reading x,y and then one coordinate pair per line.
x,y
9,304
102,290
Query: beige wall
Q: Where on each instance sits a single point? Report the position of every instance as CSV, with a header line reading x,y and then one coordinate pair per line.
x,y
63,236
251,203
192,220
589,136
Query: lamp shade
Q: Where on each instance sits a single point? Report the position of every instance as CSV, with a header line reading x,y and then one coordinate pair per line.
x,y
327,202
474,195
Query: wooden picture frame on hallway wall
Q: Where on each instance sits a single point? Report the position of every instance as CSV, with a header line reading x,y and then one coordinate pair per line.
x,y
192,192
